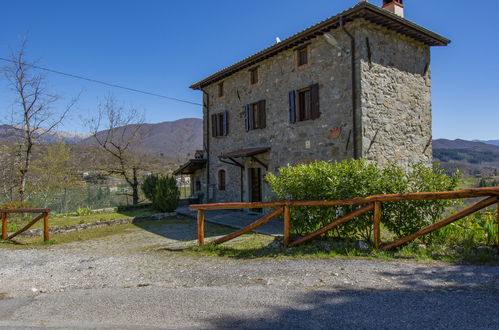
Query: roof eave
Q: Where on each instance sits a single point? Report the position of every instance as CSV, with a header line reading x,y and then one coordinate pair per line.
x,y
363,10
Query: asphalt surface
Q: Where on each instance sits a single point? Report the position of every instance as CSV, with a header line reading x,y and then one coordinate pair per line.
x,y
132,281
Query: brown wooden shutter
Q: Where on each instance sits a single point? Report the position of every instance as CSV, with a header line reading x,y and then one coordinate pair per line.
x,y
262,117
314,100
246,117
226,123
292,106
214,125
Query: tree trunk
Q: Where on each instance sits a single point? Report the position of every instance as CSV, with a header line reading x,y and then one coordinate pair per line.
x,y
135,187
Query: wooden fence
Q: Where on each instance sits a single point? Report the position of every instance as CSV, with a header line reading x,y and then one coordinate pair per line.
x,y
367,204
44,214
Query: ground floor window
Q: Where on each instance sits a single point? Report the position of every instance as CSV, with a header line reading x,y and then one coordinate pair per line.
x,y
221,179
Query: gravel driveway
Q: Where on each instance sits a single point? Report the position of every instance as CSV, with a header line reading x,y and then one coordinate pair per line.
x,y
128,281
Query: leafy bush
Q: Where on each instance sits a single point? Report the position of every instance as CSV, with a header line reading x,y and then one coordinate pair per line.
x,y
81,211
12,205
356,178
404,218
167,194
149,186
480,228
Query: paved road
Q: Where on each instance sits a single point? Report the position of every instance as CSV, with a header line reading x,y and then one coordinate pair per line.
x,y
130,281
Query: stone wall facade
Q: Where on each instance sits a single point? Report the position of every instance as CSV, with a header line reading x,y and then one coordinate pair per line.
x,y
395,97
393,113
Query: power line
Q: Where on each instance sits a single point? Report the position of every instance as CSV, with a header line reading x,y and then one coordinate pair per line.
x,y
100,82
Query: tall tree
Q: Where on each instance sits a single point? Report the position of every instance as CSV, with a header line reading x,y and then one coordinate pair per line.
x,y
117,130
32,112
53,174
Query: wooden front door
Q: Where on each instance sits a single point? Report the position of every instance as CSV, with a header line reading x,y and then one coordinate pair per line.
x,y
256,185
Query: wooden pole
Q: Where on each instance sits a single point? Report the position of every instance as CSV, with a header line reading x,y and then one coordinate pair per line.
x,y
439,224
250,227
200,227
4,225
45,226
377,221
333,225
287,225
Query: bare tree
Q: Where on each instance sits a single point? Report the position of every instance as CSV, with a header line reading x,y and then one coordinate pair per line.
x,y
117,130
32,112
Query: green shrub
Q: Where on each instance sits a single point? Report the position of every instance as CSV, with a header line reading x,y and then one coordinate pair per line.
x,y
13,205
404,218
167,194
81,211
357,178
149,186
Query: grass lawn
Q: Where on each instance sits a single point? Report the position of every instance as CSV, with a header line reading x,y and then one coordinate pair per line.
x,y
67,220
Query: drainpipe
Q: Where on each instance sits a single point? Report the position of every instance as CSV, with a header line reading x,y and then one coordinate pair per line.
x,y
354,89
206,105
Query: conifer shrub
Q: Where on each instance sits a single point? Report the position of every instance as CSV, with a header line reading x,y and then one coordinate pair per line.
x,y
149,186
166,194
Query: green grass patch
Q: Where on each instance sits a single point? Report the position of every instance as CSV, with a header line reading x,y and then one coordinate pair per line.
x,y
254,246
178,228
16,223
25,242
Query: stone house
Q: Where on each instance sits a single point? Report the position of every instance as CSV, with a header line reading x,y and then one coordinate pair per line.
x,y
354,85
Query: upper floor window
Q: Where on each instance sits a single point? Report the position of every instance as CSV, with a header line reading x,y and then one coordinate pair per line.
x,y
221,179
253,76
221,89
302,56
255,116
304,104
220,124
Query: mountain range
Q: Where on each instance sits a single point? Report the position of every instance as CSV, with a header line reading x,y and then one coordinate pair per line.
x,y
176,139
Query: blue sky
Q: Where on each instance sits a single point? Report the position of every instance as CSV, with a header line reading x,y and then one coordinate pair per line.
x,y
164,46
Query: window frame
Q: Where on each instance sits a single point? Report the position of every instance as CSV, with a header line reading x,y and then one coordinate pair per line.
x,y
304,101
222,179
220,89
256,115
254,76
220,124
299,52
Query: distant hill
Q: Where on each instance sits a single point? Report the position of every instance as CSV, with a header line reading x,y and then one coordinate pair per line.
x,y
176,139
10,133
470,157
493,142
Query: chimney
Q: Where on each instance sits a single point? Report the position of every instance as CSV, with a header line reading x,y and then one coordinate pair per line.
x,y
394,6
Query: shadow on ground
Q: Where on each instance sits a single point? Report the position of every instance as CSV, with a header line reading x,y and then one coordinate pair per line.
x,y
470,302
180,228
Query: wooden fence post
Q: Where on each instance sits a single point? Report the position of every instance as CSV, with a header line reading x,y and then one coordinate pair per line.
x,y
4,226
287,225
377,221
45,226
200,227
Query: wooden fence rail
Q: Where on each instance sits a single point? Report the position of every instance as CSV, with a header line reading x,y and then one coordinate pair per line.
x,y
44,214
371,203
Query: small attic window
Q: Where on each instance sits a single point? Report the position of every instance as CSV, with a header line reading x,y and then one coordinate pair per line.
x,y
302,56
221,89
